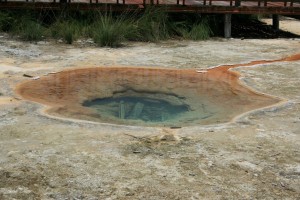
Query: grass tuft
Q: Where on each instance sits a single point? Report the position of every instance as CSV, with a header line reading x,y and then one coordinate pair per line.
x,y
6,21
29,30
69,30
154,25
197,31
200,31
112,31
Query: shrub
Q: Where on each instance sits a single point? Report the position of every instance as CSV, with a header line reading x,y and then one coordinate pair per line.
x,y
69,30
200,31
29,30
110,31
154,25
6,21
197,31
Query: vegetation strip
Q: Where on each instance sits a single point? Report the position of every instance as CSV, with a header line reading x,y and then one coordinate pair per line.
x,y
105,29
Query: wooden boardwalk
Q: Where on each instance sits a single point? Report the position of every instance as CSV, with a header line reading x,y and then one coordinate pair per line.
x,y
282,7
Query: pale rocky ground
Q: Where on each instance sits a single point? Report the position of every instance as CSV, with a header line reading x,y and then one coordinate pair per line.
x,y
286,24
256,157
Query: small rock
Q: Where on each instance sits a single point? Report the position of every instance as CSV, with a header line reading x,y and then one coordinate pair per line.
x,y
248,166
102,191
168,138
36,78
129,194
52,73
11,153
51,195
201,71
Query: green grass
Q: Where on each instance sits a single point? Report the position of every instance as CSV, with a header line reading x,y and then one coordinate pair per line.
x,y
30,30
24,25
106,29
112,31
196,31
6,21
69,31
154,25
200,31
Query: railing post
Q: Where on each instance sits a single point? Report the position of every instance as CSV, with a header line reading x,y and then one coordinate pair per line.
x,y
237,3
265,3
292,2
227,25
275,20
177,2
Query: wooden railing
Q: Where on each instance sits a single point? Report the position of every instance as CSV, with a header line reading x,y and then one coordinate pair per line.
x,y
259,3
288,7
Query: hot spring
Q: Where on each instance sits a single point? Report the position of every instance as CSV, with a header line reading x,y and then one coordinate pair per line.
x,y
145,96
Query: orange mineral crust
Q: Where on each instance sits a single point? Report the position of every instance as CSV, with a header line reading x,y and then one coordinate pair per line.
x,y
211,96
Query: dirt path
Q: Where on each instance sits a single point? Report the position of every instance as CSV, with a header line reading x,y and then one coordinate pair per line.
x,y
256,157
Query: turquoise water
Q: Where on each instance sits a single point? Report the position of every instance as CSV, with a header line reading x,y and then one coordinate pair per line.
x,y
137,108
